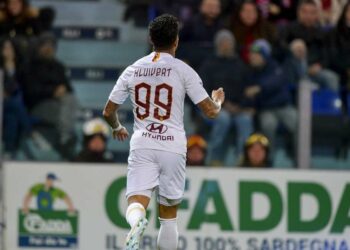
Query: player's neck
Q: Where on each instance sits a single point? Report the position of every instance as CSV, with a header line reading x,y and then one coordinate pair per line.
x,y
168,51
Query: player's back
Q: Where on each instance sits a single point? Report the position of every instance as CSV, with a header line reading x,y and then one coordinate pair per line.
x,y
157,85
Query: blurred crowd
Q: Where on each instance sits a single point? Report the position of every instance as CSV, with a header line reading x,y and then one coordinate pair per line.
x,y
258,51
37,92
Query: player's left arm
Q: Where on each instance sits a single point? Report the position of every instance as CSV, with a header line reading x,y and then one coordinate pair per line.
x,y
110,114
69,203
59,193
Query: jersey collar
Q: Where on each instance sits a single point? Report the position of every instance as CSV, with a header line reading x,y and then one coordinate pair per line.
x,y
163,54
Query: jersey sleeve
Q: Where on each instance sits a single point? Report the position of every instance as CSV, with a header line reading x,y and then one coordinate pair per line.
x,y
120,91
34,190
194,85
59,193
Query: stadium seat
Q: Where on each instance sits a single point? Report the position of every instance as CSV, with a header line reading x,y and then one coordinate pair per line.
x,y
326,102
329,125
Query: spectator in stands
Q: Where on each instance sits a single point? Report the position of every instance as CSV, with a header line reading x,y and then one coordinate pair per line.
x,y
228,71
203,26
278,11
183,9
308,28
19,19
270,93
16,120
330,11
256,152
49,95
248,25
138,11
339,46
297,67
196,150
95,142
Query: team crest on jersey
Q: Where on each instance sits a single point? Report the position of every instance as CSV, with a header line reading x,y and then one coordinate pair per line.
x,y
157,128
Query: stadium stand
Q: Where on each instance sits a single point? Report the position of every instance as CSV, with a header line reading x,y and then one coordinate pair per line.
x,y
96,48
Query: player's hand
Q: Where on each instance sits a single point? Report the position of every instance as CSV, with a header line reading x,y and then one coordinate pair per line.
x,y
25,210
121,134
71,212
218,95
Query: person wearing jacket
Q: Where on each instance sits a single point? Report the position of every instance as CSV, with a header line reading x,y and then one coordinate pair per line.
x,y
270,93
297,68
226,69
16,120
203,26
19,19
308,28
49,95
338,44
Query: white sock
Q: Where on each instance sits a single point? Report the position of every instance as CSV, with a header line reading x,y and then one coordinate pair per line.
x,y
168,235
134,213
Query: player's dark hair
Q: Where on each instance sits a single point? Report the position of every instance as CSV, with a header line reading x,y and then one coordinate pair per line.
x,y
163,31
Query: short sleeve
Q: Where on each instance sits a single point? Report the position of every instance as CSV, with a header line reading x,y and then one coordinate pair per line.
x,y
120,90
34,190
194,85
59,193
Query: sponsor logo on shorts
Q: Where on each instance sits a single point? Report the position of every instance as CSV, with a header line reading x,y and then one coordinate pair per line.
x,y
157,128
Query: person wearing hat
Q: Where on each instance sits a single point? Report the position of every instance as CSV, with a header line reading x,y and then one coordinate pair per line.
x,y
196,150
46,194
95,142
49,95
256,152
228,70
270,93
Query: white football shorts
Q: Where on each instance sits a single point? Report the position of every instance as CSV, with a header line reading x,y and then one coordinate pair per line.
x,y
163,171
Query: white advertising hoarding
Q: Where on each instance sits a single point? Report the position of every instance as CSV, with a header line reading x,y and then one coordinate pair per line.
x,y
77,206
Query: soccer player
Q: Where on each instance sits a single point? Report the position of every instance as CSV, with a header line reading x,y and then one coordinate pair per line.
x,y
157,85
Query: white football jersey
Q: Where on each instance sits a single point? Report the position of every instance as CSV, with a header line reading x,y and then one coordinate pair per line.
x,y
157,85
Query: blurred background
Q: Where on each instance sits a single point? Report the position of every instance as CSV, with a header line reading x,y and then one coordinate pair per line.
x,y
285,68
284,64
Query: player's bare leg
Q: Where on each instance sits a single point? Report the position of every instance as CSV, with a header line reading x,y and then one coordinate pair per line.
x,y
136,217
168,234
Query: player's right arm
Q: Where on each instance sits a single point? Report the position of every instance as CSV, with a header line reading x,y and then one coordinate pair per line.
x,y
116,98
34,190
111,117
211,106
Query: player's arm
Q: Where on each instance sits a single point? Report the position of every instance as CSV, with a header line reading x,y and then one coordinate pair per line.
x,y
211,106
111,116
69,204
26,202
34,190
65,197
